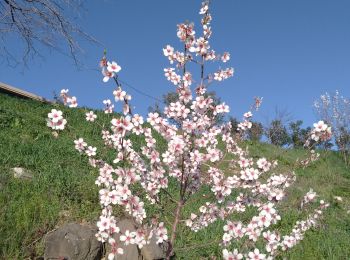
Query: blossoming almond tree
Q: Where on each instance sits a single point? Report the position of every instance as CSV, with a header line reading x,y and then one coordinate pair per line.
x,y
335,111
196,148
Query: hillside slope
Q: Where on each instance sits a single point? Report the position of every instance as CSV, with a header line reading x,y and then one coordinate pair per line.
x,y
63,188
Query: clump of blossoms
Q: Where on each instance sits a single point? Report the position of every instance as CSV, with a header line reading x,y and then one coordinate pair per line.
x,y
320,133
68,100
55,120
191,160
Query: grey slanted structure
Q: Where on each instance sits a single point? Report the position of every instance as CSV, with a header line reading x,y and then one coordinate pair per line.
x,y
4,88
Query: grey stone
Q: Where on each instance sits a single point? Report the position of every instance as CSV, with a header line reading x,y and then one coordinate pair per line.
x,y
153,251
131,252
73,242
21,173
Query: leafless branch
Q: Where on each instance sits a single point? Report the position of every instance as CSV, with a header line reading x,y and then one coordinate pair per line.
x,y
38,23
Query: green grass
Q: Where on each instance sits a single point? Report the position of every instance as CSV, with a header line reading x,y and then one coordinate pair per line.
x,y
328,177
63,188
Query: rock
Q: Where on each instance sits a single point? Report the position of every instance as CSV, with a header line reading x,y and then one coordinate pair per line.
x,y
131,252
21,173
73,242
153,251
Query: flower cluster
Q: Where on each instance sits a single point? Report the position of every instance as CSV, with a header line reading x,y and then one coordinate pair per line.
x,y
246,123
321,132
109,69
108,109
55,120
274,241
223,74
177,56
68,100
301,227
309,197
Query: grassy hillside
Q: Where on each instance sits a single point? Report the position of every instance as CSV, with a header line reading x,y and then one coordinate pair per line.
x,y
63,188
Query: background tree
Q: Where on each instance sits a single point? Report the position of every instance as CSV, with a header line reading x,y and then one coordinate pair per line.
x,y
234,123
37,24
277,133
255,132
298,135
343,143
295,136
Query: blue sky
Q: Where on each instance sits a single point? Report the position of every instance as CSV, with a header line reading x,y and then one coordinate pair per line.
x,y
288,52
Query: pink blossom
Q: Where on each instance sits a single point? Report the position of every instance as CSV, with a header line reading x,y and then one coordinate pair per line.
x,y
234,255
55,120
128,237
107,75
256,255
119,94
113,67
80,144
108,106
225,57
90,116
204,8
73,102
161,233
223,74
55,115
90,151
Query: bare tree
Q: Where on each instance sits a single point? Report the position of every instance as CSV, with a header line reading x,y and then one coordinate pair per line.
x,y
37,24
334,109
